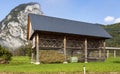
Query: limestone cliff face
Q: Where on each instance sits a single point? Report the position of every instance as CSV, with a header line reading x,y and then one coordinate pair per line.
x,y
13,29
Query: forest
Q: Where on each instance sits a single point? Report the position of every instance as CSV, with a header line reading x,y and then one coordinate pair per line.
x,y
114,31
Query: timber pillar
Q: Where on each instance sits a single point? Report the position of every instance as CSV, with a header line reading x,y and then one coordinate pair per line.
x,y
86,51
64,41
100,55
114,53
37,48
107,53
32,56
104,48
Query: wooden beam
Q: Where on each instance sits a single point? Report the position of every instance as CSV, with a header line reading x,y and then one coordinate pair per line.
x,y
86,54
28,29
37,48
114,53
64,41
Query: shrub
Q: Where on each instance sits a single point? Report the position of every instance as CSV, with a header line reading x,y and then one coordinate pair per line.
x,y
5,55
51,56
23,50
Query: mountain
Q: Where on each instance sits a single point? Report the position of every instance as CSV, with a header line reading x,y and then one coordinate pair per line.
x,y
13,29
114,31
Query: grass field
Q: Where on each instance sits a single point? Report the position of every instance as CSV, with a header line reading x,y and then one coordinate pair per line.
x,y
22,64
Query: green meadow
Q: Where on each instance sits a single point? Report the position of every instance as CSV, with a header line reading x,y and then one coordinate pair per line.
x,y
22,64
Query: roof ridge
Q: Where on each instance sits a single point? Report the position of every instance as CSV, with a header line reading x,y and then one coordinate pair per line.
x,y
65,19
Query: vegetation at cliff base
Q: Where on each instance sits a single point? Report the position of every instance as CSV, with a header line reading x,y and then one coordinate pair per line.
x,y
5,55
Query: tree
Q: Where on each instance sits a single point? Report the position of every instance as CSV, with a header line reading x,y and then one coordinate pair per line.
x,y
23,50
114,31
5,55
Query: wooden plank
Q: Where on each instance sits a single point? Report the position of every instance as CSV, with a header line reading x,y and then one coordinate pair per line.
x,y
74,48
51,48
100,53
93,48
37,49
86,58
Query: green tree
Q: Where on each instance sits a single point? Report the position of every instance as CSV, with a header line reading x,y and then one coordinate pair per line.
x,y
114,31
23,50
5,55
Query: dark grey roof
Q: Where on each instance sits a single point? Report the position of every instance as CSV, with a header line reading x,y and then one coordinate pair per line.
x,y
53,24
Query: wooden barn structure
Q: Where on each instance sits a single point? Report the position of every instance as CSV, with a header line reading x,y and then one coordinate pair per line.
x,y
71,37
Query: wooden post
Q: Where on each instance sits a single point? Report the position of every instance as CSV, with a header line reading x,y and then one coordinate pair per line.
x,y
86,58
99,53
64,41
104,49
32,56
84,69
28,28
37,49
33,50
108,53
71,53
114,53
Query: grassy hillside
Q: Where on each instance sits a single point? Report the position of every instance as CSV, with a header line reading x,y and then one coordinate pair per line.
x,y
114,30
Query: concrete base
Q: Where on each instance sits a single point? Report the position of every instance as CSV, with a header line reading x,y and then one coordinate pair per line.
x,y
65,62
37,63
32,62
86,62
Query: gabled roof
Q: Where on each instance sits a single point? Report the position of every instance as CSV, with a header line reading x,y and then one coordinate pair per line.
x,y
53,24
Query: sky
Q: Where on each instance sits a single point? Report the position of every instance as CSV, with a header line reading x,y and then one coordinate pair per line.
x,y
92,11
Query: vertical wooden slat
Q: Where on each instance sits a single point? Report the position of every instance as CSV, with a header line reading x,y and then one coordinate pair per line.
x,y
104,48
107,53
32,56
37,49
114,53
71,53
65,48
100,53
32,50
86,58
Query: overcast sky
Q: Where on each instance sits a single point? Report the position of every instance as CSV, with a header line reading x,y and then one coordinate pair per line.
x,y
92,11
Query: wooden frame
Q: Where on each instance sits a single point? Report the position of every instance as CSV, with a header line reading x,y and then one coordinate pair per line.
x,y
46,40
112,50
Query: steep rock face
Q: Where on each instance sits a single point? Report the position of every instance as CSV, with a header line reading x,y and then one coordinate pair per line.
x,y
13,29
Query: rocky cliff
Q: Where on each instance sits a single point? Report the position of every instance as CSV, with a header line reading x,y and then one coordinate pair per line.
x,y
13,29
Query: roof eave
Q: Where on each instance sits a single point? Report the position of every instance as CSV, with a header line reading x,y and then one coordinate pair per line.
x,y
34,31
